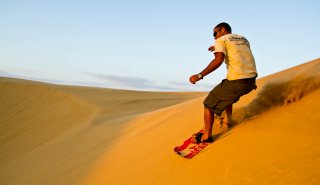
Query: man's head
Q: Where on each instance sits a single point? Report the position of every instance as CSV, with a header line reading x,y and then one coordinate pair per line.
x,y
221,29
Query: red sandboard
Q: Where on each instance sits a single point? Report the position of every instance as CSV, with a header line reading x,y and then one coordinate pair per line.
x,y
190,148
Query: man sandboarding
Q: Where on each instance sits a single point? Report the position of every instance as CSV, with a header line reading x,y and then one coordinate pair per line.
x,y
241,79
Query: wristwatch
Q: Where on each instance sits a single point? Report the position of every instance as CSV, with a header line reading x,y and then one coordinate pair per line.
x,y
200,76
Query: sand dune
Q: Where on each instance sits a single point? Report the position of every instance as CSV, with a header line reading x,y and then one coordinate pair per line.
x,y
71,135
52,132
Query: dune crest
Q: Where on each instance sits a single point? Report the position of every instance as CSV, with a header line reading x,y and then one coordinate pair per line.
x,y
33,113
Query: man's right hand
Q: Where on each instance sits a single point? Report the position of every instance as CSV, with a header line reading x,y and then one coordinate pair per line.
x,y
211,48
194,78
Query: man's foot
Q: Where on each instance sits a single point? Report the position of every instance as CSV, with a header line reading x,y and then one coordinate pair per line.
x,y
200,138
207,140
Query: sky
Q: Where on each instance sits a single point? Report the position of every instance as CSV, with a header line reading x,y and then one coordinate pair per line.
x,y
148,45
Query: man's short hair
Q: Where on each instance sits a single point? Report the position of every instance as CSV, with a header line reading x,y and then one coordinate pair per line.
x,y
225,25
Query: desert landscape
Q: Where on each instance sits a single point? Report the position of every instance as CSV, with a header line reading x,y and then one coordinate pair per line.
x,y
65,135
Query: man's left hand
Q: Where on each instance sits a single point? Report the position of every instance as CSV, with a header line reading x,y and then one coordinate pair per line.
x,y
211,48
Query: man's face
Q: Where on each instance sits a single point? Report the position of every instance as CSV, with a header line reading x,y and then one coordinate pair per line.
x,y
217,32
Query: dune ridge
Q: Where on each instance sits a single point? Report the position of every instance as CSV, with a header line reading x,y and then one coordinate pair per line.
x,y
35,112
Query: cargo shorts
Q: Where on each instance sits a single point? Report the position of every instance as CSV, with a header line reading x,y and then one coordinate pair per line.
x,y
227,93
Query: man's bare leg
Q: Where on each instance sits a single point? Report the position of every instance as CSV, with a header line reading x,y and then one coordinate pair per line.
x,y
208,123
229,115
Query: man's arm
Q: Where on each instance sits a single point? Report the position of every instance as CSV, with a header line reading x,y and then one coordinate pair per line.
x,y
214,64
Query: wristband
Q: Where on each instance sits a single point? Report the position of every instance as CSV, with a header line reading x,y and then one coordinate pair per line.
x,y
200,76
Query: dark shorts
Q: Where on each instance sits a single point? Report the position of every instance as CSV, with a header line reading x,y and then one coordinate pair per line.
x,y
228,92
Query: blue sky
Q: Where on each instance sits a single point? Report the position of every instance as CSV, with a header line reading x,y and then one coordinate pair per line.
x,y
148,45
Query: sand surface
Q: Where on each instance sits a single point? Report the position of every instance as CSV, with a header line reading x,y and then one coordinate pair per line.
x,y
66,135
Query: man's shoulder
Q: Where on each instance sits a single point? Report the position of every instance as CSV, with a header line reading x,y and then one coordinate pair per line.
x,y
236,40
232,37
